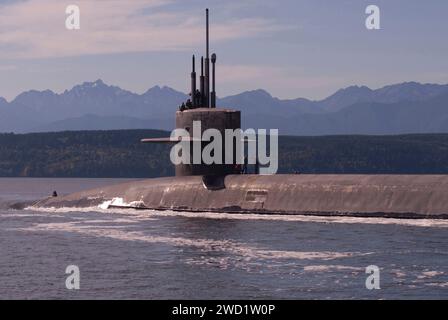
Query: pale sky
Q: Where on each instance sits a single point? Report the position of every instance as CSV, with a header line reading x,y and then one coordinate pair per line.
x,y
291,48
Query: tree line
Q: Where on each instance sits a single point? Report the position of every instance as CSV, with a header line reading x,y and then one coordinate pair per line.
x,y
119,154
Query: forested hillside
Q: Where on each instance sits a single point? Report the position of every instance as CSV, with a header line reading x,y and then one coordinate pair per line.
x,y
120,154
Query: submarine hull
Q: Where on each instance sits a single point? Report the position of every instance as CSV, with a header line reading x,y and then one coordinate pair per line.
x,y
394,196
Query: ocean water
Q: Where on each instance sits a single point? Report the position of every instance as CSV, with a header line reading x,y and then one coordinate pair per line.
x,y
127,254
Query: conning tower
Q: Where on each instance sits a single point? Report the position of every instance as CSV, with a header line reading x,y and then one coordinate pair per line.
x,y
201,106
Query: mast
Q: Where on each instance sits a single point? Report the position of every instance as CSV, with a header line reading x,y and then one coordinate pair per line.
x,y
207,63
213,94
202,85
206,99
193,84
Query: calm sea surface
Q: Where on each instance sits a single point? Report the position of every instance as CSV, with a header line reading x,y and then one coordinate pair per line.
x,y
125,254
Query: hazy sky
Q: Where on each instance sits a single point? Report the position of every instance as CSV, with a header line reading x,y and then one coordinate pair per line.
x,y
292,48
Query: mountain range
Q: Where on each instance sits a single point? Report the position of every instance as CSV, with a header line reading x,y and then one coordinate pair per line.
x,y
408,107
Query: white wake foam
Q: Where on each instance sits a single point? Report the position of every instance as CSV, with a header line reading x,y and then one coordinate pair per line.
x,y
230,247
104,207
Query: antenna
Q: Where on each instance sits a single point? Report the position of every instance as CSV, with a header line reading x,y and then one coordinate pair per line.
x,y
207,33
201,85
207,63
193,84
213,94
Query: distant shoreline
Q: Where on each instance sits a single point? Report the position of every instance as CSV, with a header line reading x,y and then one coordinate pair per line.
x,y
119,154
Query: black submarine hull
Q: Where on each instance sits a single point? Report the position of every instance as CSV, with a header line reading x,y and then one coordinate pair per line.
x,y
393,196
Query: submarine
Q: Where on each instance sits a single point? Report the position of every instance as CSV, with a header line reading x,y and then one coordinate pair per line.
x,y
226,188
